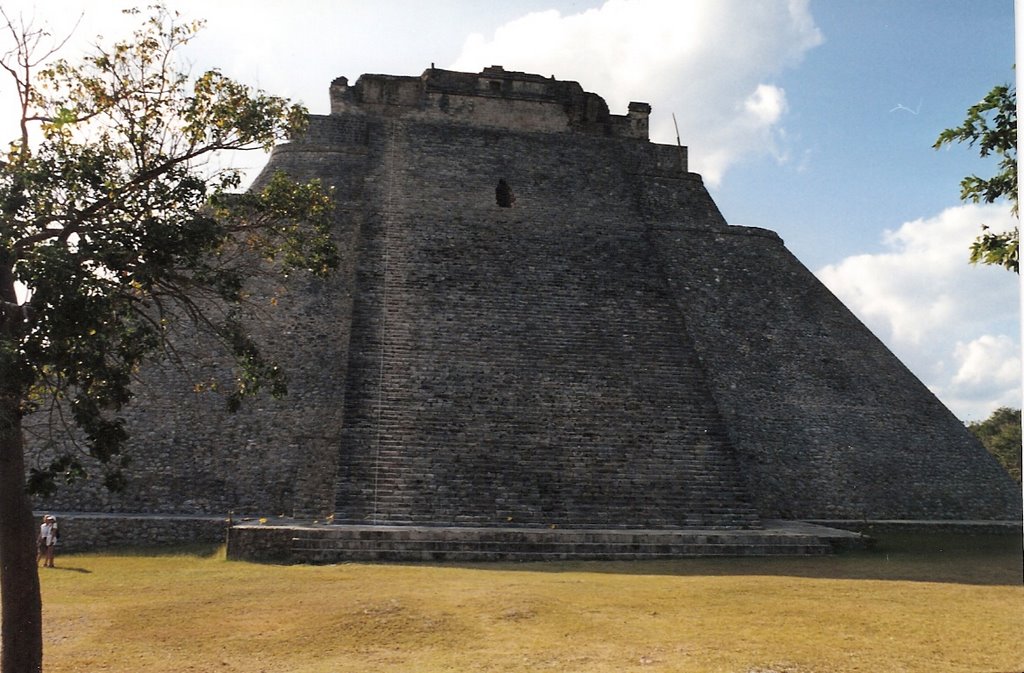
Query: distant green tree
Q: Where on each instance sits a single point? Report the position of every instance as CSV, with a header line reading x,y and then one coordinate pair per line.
x,y
1000,434
113,227
991,125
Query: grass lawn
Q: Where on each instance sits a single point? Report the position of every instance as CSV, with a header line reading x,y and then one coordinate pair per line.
x,y
915,604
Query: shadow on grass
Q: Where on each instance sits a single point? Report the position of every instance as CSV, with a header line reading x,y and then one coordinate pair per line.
x,y
996,560
72,569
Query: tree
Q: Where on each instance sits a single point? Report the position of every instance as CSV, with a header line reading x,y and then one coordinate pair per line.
x,y
991,125
113,228
1000,433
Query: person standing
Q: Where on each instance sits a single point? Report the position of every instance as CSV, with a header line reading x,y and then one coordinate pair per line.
x,y
47,540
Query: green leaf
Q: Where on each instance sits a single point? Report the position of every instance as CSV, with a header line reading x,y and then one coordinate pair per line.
x,y
991,125
120,235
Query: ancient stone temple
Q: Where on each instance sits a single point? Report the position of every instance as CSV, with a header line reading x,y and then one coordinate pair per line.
x,y
543,332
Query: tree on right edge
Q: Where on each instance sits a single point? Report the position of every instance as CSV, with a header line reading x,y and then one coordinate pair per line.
x,y
1000,433
991,124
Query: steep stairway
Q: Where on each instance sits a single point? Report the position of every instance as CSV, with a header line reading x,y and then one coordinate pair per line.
x,y
500,383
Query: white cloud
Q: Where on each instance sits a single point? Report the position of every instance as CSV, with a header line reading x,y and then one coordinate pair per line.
x,y
709,61
955,325
987,359
766,105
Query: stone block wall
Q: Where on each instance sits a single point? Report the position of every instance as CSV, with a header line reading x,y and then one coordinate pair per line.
x,y
826,420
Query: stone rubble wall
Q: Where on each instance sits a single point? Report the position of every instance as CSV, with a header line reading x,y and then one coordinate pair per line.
x,y
89,532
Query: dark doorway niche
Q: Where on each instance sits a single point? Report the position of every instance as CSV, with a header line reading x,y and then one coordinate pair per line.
x,y
503,194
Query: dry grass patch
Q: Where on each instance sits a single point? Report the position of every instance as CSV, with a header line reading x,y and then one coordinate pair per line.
x,y
917,604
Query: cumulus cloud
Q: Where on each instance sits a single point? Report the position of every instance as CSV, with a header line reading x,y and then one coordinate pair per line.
x,y
714,63
988,372
986,360
721,54
955,325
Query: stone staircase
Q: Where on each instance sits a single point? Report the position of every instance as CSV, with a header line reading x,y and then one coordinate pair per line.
x,y
522,367
490,389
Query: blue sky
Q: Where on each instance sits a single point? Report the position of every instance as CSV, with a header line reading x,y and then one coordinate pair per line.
x,y
814,119
861,163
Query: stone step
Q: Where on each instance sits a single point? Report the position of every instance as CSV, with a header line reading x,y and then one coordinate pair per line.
x,y
725,521
343,543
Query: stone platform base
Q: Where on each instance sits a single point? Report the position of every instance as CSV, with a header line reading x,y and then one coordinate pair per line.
x,y
328,543
90,531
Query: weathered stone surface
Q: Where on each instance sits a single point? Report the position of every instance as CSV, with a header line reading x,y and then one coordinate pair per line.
x,y
303,543
88,531
606,353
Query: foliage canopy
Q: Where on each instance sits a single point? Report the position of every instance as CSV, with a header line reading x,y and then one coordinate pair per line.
x,y
1000,433
115,225
991,125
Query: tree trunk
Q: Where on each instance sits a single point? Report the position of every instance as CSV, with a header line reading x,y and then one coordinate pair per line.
x,y
21,621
